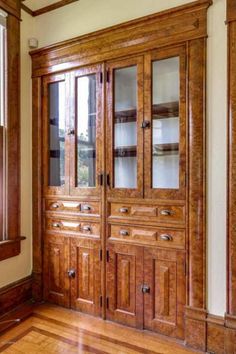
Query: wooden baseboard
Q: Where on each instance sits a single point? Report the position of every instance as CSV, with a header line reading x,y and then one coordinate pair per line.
x,y
15,294
210,333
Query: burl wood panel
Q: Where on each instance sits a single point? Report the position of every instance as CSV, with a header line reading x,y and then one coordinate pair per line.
x,y
124,284
197,237
56,266
164,273
86,285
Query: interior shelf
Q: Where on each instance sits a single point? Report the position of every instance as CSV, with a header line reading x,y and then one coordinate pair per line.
x,y
159,111
125,151
165,149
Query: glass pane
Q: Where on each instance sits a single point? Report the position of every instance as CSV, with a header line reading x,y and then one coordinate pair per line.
x,y
57,134
125,129
86,131
165,123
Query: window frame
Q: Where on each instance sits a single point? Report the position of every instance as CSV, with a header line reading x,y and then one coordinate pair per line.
x,y
11,246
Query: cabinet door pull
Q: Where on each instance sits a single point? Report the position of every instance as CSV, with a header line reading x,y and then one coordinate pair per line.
x,y
124,233
86,207
166,237
87,228
71,273
71,132
145,124
166,212
55,206
56,224
146,289
124,210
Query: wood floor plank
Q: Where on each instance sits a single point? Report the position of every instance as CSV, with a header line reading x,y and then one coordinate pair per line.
x,y
53,329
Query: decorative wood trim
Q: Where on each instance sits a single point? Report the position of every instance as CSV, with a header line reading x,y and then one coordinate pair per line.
x,y
15,294
37,188
12,246
181,23
15,316
48,8
231,222
11,7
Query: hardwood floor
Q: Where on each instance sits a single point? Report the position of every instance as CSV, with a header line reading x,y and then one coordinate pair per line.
x,y
52,329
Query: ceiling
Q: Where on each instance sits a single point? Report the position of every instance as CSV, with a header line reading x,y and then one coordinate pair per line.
x,y
39,7
38,4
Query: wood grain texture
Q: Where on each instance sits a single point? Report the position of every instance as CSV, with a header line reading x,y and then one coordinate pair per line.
x,y
15,294
13,246
172,26
231,10
231,288
11,7
37,217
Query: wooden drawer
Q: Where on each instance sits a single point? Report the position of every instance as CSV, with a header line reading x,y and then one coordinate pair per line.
x,y
156,213
71,206
81,227
150,236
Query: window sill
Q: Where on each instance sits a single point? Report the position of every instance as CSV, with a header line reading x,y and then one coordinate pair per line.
x,y
10,248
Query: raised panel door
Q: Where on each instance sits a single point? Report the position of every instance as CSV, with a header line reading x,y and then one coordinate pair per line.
x,y
56,266
124,284
164,274
165,135
86,285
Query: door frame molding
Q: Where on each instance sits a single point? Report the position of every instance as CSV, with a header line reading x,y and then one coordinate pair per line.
x,y
185,24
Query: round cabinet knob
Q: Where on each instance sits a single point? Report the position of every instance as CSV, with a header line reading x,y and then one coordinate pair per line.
x,y
71,273
124,210
146,289
166,237
124,233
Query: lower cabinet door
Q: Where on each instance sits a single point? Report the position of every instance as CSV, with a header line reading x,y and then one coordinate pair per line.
x,y
56,265
164,303
86,283
124,284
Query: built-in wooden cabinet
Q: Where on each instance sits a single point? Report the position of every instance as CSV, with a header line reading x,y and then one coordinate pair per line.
x,y
122,181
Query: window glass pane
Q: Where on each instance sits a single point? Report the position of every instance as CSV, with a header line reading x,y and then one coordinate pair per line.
x,y
57,134
165,123
125,128
86,131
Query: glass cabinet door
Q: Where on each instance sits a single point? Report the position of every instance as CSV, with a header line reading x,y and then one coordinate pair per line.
x,y
86,123
124,133
165,141
55,134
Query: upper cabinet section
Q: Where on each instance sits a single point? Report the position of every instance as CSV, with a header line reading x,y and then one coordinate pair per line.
x,y
86,141
124,139
165,112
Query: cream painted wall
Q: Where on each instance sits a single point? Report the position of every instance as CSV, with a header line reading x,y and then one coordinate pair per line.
x,y
89,15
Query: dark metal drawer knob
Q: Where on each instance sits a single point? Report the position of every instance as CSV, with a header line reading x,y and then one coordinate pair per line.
x,y
146,289
71,273
55,205
56,224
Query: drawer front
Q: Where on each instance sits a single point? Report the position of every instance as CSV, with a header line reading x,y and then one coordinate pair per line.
x,y
71,206
150,236
156,213
81,227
